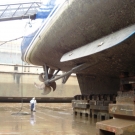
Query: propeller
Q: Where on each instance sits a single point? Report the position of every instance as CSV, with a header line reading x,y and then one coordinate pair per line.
x,y
46,89
43,86
52,84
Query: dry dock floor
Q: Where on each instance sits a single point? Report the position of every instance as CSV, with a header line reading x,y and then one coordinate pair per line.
x,y
49,119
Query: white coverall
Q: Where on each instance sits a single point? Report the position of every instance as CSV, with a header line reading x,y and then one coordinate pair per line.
x,y
33,104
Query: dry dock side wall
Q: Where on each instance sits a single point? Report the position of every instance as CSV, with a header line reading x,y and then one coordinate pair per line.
x,y
17,85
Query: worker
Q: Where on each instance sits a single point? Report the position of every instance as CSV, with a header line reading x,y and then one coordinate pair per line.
x,y
33,104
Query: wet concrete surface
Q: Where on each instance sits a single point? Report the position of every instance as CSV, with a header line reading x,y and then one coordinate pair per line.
x,y
49,119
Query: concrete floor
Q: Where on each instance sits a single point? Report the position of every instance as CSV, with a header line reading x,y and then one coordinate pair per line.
x,y
49,119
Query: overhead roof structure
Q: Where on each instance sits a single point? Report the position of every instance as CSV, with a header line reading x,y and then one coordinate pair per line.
x,y
19,11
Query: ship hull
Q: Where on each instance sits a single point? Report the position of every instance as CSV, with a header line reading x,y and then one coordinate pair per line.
x,y
78,23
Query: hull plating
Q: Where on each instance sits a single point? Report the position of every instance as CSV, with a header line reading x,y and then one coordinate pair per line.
x,y
78,23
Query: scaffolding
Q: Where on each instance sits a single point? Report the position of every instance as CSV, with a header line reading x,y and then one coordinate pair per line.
x,y
16,11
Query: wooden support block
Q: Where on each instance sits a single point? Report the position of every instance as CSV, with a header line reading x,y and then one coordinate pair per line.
x,y
116,127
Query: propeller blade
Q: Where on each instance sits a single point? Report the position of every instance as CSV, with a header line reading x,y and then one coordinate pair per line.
x,y
51,71
47,90
41,78
53,85
50,76
40,86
